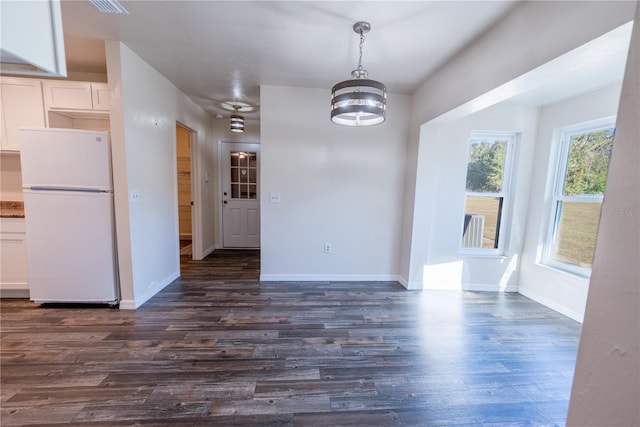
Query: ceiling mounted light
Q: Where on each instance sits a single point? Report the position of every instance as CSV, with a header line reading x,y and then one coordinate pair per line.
x,y
238,106
237,121
359,101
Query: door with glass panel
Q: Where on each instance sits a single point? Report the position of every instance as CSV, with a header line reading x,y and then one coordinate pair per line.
x,y
240,195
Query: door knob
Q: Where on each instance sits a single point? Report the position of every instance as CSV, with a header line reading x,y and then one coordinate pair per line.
x,y
225,202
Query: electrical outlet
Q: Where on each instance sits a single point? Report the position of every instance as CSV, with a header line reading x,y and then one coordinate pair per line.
x,y
135,196
275,198
328,248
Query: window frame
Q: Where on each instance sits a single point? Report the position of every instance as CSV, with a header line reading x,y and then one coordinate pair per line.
x,y
507,177
556,193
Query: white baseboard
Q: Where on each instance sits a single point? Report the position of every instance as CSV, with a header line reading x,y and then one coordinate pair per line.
x,y
551,304
127,304
153,290
478,287
414,286
14,293
410,286
208,251
403,282
374,278
488,287
329,278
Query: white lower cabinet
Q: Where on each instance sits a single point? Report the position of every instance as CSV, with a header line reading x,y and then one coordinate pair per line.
x,y
13,262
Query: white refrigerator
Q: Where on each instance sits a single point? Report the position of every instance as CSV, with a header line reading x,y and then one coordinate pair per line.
x,y
68,204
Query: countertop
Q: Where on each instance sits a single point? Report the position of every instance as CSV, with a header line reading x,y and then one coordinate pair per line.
x,y
11,209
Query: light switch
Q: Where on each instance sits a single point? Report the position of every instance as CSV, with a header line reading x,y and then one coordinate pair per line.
x,y
275,198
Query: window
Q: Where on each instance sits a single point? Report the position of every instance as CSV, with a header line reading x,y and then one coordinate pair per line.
x,y
244,175
486,203
581,176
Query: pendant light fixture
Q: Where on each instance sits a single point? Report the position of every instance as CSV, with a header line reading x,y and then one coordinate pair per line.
x,y
237,121
359,101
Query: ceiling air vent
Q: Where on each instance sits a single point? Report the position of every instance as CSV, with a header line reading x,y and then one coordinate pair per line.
x,y
109,6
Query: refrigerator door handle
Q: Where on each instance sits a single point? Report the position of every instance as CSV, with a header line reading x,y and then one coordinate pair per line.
x,y
78,190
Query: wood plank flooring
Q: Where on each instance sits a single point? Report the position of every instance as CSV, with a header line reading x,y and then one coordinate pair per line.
x,y
219,348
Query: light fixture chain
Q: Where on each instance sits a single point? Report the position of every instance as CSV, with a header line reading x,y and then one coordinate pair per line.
x,y
361,44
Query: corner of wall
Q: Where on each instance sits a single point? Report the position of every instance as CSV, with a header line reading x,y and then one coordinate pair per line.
x,y
132,304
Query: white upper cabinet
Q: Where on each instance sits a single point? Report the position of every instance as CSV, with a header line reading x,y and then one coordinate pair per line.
x,y
28,103
31,39
69,95
100,96
22,106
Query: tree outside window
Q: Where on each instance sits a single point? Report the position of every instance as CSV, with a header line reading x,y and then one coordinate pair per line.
x,y
578,194
486,192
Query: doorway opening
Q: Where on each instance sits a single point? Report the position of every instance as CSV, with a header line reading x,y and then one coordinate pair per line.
x,y
240,170
185,193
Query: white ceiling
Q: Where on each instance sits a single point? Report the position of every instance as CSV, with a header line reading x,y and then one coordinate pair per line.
x,y
216,51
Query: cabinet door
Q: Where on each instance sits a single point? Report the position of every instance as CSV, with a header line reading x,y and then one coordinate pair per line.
x,y
67,95
32,31
100,96
22,106
13,263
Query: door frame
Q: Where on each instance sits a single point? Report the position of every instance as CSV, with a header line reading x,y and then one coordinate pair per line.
x,y
220,176
196,214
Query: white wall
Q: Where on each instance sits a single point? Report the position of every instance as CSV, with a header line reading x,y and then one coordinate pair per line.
x,y
442,184
606,386
482,75
144,109
561,291
338,185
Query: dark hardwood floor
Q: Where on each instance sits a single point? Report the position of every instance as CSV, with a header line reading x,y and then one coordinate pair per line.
x,y
219,348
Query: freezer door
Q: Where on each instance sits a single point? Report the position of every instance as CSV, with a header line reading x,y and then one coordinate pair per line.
x,y
65,158
70,246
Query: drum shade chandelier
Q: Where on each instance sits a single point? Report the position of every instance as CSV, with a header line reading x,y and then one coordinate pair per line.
x,y
359,101
236,123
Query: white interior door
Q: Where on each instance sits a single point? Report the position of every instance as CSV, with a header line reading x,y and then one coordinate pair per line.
x,y
240,195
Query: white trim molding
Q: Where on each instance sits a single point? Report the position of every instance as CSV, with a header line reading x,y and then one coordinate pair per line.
x,y
151,291
551,304
488,287
14,293
330,278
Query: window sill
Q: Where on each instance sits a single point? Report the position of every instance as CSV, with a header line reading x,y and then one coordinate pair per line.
x,y
558,269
